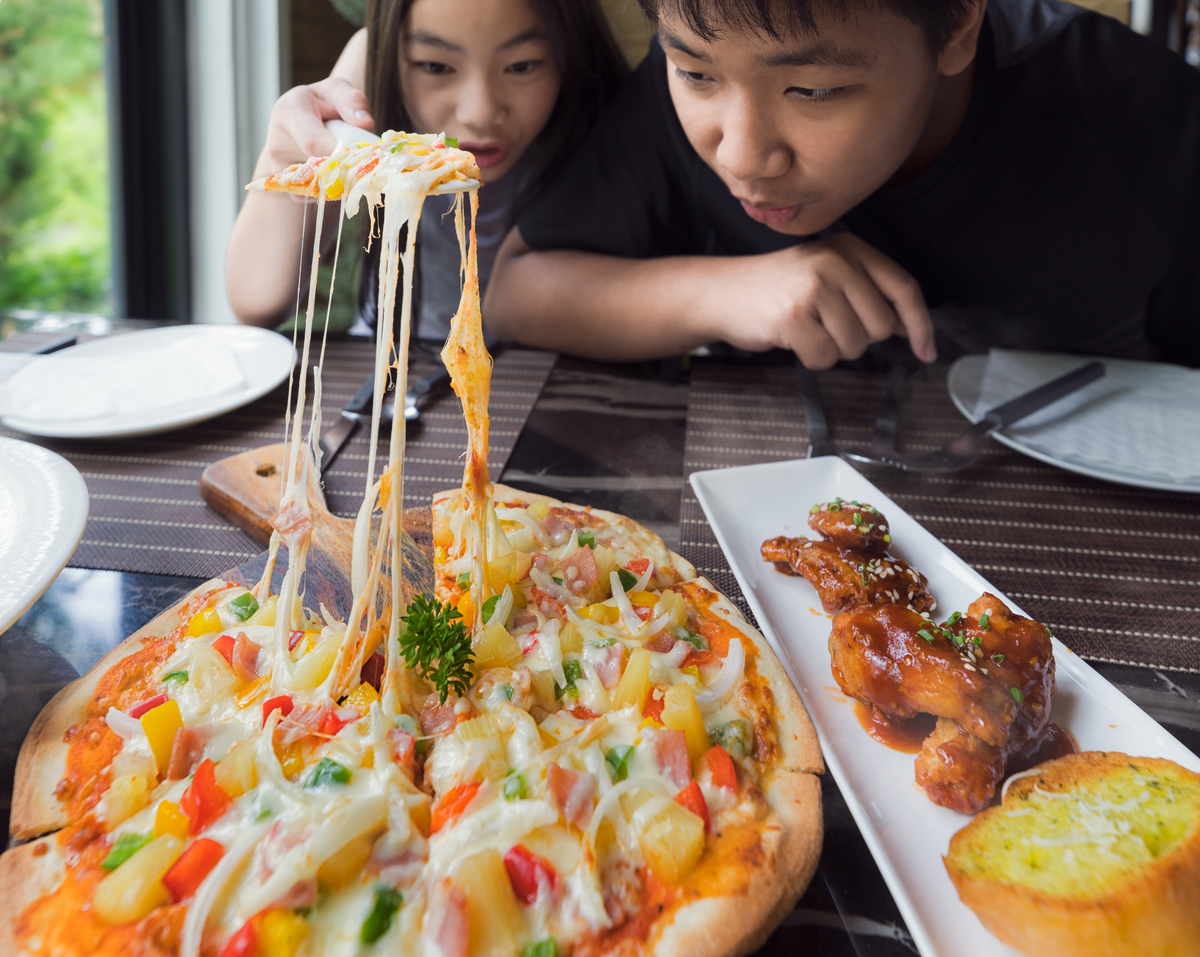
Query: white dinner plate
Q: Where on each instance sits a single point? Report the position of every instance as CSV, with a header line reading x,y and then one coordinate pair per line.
x,y
140,383
906,832
967,376
43,510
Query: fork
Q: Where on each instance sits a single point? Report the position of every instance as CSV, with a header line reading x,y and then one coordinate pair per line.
x,y
962,451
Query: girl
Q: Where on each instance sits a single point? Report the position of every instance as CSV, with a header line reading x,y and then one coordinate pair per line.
x,y
518,82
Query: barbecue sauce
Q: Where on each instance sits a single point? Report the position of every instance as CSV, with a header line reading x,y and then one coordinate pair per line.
x,y
1057,742
900,734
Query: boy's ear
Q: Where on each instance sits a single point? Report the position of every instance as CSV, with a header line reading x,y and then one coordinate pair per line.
x,y
959,51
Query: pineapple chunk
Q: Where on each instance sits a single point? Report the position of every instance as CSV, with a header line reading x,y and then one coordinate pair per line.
x,y
210,674
314,667
236,773
254,692
681,713
635,682
672,842
672,603
509,569
570,639
340,868
482,737
497,926
135,888
135,775
606,564
496,648
557,844
539,510
266,613
478,728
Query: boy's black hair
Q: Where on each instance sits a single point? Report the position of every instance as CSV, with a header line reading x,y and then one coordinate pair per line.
x,y
779,18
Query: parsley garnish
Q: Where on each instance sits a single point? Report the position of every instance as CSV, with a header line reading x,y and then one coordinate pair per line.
x,y
435,643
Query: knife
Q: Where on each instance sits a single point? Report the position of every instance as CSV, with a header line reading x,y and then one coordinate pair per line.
x,y
358,410
819,442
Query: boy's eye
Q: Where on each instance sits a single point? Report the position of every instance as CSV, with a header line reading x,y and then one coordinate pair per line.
x,y
524,66
432,67
815,95
690,76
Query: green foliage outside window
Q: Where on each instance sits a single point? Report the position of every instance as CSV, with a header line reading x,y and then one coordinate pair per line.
x,y
54,206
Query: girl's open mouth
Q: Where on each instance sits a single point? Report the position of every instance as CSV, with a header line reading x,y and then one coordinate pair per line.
x,y
487,154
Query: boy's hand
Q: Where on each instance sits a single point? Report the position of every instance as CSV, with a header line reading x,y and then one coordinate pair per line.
x,y
827,300
297,128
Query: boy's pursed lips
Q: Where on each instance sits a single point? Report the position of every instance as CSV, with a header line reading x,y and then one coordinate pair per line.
x,y
771,214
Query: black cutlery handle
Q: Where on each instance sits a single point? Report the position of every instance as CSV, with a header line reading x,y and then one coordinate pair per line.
x,y
360,404
54,345
1023,405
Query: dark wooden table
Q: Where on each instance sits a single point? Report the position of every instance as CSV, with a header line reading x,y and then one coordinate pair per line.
x,y
614,437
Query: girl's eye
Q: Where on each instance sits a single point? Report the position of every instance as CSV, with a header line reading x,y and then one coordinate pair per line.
x,y
524,66
691,77
432,67
815,96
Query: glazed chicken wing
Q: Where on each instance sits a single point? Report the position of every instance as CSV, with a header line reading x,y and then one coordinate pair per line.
x,y
845,578
851,525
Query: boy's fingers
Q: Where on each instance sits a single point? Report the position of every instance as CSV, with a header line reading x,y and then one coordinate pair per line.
x,y
843,324
872,307
904,294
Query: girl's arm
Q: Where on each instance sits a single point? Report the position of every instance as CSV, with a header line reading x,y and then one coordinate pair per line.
x,y
267,256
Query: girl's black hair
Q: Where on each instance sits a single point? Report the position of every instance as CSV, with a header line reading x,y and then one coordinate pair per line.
x,y
589,63
779,18
586,55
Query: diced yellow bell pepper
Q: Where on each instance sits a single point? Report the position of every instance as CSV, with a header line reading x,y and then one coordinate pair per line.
x,y
494,916
204,622
160,725
681,713
335,191
643,599
496,648
135,888
601,614
672,842
361,698
257,689
539,510
281,932
237,773
168,819
292,759
635,682
691,670
466,608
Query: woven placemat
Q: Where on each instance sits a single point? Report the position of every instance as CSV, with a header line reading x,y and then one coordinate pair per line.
x,y
146,512
1113,571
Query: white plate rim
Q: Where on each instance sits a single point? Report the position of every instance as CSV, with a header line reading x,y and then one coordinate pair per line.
x,y
972,367
182,417
75,491
1089,680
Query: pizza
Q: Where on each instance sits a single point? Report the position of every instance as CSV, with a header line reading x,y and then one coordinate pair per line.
x,y
574,745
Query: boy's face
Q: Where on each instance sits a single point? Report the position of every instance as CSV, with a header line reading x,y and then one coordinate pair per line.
x,y
802,130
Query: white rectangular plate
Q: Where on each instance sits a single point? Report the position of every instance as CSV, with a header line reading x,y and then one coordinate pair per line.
x,y
906,832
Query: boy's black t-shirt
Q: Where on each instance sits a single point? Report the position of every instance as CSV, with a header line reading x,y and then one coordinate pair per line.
x,y
1065,215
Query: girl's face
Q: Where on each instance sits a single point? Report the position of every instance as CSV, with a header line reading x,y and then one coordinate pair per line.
x,y
480,70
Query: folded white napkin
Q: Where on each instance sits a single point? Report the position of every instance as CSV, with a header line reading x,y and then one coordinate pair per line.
x,y
1141,418
67,388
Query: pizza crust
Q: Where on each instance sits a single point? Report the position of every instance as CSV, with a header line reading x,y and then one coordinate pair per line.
x,y
651,545
42,762
26,873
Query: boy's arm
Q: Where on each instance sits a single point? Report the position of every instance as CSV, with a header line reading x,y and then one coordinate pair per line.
x,y
262,268
825,300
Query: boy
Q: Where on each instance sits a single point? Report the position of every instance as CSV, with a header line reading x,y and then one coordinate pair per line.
x,y
809,174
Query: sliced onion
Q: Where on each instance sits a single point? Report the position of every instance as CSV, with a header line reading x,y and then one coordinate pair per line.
x,y
674,657
503,607
122,724
530,522
628,615
731,674
612,799
210,889
559,593
644,580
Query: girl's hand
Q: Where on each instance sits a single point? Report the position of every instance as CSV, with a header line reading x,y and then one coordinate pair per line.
x,y
297,128
825,300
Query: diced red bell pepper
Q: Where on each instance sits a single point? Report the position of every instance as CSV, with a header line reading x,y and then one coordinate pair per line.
x,y
284,703
451,804
528,873
372,671
700,658
149,704
720,765
331,724
224,645
204,801
653,708
638,566
294,638
692,798
194,864
244,943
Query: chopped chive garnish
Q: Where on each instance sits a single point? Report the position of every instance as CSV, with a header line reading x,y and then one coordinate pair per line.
x,y
977,641
954,618
180,676
857,518
1017,696
983,621
998,658
958,640
924,633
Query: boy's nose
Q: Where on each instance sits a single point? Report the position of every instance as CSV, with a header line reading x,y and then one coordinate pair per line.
x,y
749,148
478,105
